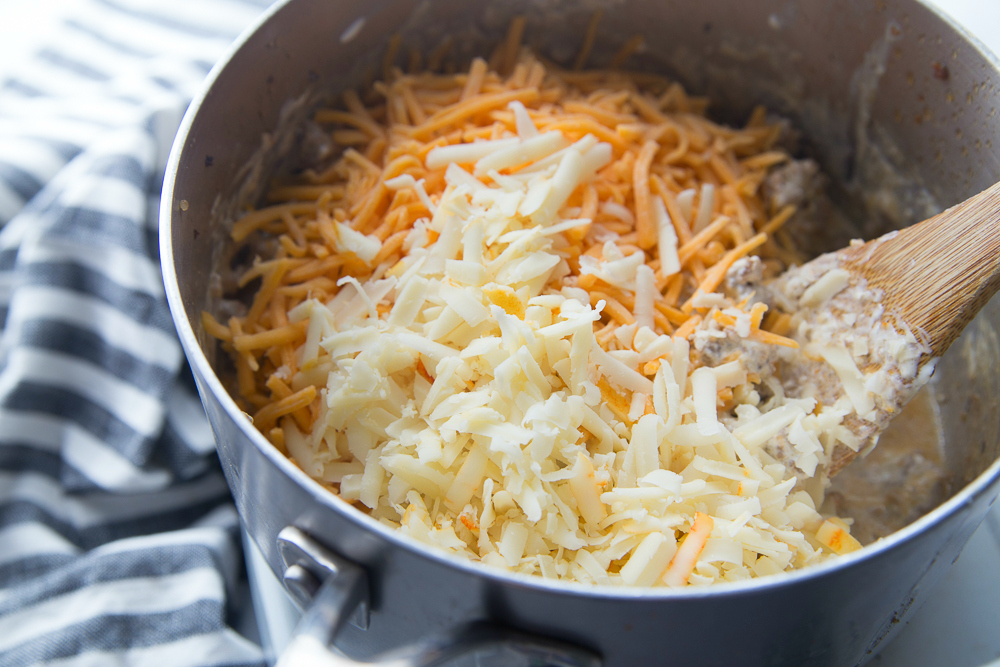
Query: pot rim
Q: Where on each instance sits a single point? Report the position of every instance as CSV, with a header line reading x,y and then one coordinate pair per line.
x,y
196,357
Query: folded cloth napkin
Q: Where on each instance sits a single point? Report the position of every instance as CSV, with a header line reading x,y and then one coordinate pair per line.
x,y
118,536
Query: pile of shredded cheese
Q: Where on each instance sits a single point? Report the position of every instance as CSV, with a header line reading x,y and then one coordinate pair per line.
x,y
485,324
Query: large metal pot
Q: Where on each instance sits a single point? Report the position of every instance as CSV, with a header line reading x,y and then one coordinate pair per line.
x,y
886,85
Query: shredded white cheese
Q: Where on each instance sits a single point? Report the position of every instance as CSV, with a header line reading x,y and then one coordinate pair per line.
x,y
826,287
670,263
706,204
468,403
465,153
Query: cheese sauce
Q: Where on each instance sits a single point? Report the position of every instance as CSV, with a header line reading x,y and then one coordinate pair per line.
x,y
903,478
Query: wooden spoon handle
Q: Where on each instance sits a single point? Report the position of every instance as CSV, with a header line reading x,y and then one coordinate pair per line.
x,y
938,274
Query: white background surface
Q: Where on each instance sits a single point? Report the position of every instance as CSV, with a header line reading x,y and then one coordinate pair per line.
x,y
959,626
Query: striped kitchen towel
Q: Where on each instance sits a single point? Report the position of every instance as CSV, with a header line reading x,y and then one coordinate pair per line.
x,y
118,537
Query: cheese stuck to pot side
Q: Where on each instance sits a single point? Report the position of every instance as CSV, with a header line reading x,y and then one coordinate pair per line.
x,y
509,324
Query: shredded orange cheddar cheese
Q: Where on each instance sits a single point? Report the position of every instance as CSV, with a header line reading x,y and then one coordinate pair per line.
x,y
352,189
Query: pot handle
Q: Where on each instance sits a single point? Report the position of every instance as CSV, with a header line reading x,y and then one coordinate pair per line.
x,y
335,591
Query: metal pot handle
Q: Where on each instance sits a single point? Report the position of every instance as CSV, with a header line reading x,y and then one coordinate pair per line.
x,y
335,591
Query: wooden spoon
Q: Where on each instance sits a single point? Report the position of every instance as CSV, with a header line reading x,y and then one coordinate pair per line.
x,y
931,278
939,273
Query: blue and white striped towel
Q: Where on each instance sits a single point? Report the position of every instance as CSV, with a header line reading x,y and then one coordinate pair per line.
x,y
118,537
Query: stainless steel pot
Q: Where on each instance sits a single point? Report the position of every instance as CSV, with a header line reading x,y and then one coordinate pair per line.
x,y
888,93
